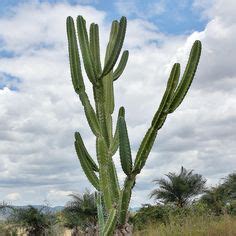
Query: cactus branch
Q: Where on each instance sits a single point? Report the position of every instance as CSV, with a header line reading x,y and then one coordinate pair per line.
x,y
115,142
95,48
121,66
90,161
125,151
110,223
85,49
75,67
188,76
100,212
77,78
116,48
86,163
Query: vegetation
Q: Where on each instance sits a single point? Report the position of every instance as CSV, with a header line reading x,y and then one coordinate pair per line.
x,y
194,226
222,198
103,176
179,188
81,213
34,221
214,213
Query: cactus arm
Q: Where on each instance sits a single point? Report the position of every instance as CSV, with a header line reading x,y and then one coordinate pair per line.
x,y
188,76
165,102
75,65
77,78
125,151
114,183
158,120
92,177
90,114
84,46
112,39
90,161
107,82
95,49
125,199
144,150
115,141
110,223
121,66
100,212
117,47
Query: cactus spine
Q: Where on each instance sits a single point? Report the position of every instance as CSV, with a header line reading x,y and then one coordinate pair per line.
x,y
103,176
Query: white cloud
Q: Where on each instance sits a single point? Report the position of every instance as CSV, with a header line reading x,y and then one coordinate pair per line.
x,y
37,122
13,196
55,197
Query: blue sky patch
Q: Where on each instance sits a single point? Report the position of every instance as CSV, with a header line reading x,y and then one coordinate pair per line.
x,y
170,16
10,81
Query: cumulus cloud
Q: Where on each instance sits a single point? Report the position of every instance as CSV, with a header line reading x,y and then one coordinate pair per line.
x,y
13,196
40,111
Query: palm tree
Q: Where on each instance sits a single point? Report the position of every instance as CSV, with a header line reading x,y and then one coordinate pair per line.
x,y
81,212
179,188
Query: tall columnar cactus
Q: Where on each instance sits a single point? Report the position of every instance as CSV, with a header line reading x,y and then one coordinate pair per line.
x,y
102,174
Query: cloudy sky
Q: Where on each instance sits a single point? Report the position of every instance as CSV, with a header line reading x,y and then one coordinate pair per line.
x,y
39,110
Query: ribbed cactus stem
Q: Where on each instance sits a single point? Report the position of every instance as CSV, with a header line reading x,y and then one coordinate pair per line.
x,y
125,199
113,201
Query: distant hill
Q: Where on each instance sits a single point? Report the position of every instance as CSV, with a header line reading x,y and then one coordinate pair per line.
x,y
48,208
134,209
6,213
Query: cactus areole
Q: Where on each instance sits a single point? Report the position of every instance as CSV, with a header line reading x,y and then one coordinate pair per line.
x,y
102,174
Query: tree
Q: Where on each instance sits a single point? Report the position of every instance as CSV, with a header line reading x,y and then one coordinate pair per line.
x,y
81,212
230,186
222,197
215,198
179,188
103,175
35,221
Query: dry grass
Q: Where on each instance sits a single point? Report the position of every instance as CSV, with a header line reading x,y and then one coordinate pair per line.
x,y
191,226
195,226
7,229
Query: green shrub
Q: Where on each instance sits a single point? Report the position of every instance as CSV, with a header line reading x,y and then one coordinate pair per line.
x,y
166,214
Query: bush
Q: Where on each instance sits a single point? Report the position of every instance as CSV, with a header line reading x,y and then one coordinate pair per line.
x,y
149,214
166,214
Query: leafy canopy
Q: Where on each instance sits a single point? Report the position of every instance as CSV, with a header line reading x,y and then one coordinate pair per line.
x,y
178,188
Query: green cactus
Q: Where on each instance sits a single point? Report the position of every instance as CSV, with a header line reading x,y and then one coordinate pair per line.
x,y
103,175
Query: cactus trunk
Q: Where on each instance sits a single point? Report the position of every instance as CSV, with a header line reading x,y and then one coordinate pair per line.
x,y
113,201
